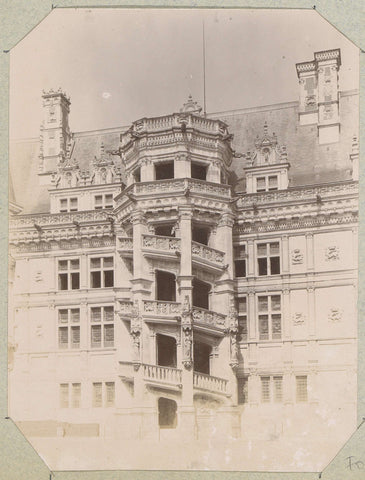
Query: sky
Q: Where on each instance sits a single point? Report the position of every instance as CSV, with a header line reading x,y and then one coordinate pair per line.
x,y
118,65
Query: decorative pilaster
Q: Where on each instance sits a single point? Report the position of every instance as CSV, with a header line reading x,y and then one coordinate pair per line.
x,y
136,334
187,334
310,251
311,310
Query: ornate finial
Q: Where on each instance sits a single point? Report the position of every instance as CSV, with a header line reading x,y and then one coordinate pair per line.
x,y
191,107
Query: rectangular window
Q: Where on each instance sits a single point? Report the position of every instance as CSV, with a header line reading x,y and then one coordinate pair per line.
x,y
103,201
103,394
272,389
102,327
69,328
102,272
164,170
75,395
69,274
64,395
269,311
68,204
240,260
242,390
302,388
268,258
242,319
267,183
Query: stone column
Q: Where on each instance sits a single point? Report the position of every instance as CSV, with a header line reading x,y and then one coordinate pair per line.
x,y
310,251
147,170
182,166
224,240
250,258
286,314
311,311
185,277
214,172
285,254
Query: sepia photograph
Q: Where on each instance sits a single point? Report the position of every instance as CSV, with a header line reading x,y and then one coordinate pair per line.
x,y
183,239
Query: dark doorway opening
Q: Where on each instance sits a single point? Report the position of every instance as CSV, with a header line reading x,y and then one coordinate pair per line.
x,y
167,413
165,286
137,175
166,351
201,294
198,171
164,170
165,230
202,353
200,235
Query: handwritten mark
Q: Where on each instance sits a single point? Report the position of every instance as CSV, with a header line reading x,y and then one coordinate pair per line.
x,y
353,464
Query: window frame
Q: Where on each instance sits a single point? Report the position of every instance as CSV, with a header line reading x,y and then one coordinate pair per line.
x,y
102,323
104,203
274,390
102,270
242,319
69,272
71,397
266,177
268,256
68,208
269,313
298,392
68,326
240,259
103,402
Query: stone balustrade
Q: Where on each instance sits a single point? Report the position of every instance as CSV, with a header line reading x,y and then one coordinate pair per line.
x,y
125,307
162,374
50,219
161,243
208,382
125,243
208,317
179,186
159,307
207,253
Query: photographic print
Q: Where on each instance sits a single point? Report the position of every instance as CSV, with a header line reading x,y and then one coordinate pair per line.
x,y
183,199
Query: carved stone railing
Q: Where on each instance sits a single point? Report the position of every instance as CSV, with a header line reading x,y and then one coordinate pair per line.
x,y
298,193
207,317
180,185
45,219
125,307
125,243
159,307
161,243
207,253
160,374
208,382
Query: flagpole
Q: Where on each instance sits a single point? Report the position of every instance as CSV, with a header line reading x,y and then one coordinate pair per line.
x,y
204,99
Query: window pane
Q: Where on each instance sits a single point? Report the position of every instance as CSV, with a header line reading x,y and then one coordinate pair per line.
x,y
63,202
110,394
63,337
73,204
242,304
262,262
76,395
97,395
264,327
109,278
302,394
276,327
265,389
98,200
62,316
275,265
109,198
273,182
96,314
62,281
275,302
75,281
108,262
96,336
95,279
274,248
109,335
278,389
62,265
263,303
240,268
64,395
75,337
261,249
75,315
240,251
75,264
108,314
95,263
261,183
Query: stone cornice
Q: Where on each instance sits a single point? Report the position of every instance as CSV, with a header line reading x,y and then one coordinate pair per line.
x,y
40,245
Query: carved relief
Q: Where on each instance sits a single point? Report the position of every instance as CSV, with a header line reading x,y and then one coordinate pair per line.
x,y
187,348
332,253
298,318
296,256
38,277
335,315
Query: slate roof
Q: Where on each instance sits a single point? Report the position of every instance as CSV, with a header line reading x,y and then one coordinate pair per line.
x,y
310,163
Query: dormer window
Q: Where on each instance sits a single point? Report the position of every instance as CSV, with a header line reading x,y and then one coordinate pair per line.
x,y
267,183
103,201
68,205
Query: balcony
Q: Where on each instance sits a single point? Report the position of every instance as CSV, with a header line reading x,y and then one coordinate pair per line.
x,y
205,256
157,246
161,309
171,378
202,381
208,318
125,247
